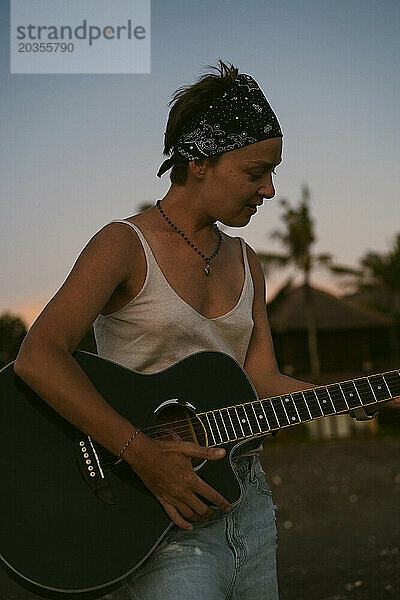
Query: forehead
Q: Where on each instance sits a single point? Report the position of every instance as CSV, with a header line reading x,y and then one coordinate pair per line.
x,y
267,153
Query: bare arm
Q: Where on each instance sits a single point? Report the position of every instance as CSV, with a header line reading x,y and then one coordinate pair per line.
x,y
45,359
260,364
46,363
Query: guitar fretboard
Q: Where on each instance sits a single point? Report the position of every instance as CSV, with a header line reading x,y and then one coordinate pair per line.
x,y
271,414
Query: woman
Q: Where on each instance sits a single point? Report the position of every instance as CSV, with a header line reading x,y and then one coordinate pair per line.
x,y
159,286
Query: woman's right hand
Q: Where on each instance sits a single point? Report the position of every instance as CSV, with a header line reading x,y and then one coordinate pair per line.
x,y
166,470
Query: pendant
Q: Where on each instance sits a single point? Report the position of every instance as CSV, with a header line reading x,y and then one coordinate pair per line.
x,y
207,270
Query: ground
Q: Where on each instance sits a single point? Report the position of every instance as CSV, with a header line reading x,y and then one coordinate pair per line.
x,y
338,520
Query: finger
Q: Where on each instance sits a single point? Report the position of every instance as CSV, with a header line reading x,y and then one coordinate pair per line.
x,y
187,512
174,515
205,512
205,490
197,451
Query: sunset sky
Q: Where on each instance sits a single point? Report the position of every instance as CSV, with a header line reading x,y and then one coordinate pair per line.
x,y
80,150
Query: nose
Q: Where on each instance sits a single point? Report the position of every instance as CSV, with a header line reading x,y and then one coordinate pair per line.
x,y
267,189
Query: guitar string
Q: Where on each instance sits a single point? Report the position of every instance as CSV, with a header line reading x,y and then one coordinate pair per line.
x,y
157,433
181,425
109,459
184,421
265,400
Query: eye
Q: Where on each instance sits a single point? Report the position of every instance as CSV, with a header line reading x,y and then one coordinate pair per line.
x,y
257,176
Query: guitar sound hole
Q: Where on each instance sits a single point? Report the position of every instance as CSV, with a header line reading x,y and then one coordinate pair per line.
x,y
175,423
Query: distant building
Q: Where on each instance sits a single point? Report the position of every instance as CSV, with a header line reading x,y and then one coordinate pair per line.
x,y
351,339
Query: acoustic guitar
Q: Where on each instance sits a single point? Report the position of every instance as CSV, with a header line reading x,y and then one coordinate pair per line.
x,y
74,524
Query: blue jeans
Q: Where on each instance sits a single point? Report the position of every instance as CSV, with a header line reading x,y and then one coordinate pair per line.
x,y
230,558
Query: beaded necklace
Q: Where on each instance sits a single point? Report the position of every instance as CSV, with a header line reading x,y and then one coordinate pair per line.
x,y
208,259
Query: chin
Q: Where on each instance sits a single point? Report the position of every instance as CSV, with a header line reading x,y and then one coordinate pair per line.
x,y
238,222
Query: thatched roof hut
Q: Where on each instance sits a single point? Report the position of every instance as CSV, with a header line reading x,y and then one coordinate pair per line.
x,y
351,338
330,312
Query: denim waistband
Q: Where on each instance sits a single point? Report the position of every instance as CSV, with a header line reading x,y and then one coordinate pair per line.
x,y
244,464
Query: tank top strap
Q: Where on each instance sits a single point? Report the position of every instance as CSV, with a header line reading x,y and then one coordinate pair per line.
x,y
244,252
147,250
247,272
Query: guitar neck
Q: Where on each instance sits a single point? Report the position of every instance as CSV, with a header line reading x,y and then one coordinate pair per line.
x,y
262,417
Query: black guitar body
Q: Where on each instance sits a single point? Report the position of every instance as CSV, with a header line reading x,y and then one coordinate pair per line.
x,y
69,533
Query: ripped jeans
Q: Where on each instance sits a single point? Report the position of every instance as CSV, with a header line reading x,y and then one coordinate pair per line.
x,y
230,558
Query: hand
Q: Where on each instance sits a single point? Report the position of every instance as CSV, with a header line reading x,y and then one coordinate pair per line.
x,y
166,469
395,403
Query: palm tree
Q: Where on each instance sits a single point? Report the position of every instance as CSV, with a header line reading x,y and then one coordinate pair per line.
x,y
297,239
377,271
377,285
12,332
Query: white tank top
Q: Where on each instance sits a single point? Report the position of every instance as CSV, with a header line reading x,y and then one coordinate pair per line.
x,y
157,327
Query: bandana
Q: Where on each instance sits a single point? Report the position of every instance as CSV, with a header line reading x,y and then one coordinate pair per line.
x,y
239,117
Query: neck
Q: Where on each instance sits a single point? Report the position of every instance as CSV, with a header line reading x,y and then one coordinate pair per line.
x,y
261,417
187,211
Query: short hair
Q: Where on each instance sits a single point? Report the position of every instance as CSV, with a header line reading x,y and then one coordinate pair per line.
x,y
187,102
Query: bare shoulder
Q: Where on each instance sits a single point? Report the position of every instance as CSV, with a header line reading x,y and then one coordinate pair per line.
x,y
256,269
103,270
233,243
117,235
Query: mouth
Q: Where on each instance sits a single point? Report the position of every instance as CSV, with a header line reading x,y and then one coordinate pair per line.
x,y
253,207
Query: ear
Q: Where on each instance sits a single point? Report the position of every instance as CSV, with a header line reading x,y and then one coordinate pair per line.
x,y
198,167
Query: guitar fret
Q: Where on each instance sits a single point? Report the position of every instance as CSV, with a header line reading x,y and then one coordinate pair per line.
x,y
251,418
284,408
280,411
234,422
210,428
238,418
275,415
301,406
337,397
379,387
312,404
325,401
270,414
350,394
369,383
234,434
344,396
220,424
295,407
356,391
290,409
244,421
216,424
265,416
223,423
392,380
317,399
364,390
255,417
229,425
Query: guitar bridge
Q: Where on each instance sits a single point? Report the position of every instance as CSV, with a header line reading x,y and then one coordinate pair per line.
x,y
91,469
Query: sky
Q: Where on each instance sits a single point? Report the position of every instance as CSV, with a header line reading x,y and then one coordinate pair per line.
x,y
80,150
